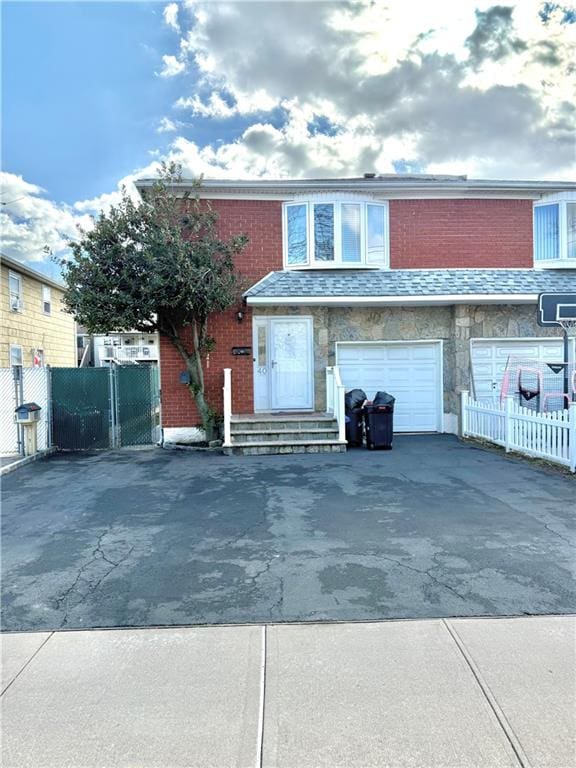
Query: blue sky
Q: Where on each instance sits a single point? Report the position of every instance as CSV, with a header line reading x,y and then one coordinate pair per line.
x,y
81,103
95,94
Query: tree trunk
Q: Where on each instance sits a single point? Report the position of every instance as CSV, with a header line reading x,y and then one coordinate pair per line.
x,y
193,361
206,413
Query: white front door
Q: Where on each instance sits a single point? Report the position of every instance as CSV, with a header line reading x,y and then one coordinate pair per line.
x,y
284,370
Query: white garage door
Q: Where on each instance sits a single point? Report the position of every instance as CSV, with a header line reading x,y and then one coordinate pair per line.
x,y
410,372
489,360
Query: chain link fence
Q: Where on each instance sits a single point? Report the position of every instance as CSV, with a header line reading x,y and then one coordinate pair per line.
x,y
23,385
82,408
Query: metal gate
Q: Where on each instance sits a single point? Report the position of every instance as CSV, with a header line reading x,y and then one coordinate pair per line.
x,y
81,408
105,407
137,401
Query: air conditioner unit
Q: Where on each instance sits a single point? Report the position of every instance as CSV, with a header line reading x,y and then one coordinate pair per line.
x,y
15,304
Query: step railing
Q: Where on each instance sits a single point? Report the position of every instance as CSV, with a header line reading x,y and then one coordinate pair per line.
x,y
227,391
335,399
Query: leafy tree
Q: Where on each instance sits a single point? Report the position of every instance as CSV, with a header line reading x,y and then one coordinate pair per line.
x,y
157,265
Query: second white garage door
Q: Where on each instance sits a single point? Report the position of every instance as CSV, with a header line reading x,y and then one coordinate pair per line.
x,y
410,372
490,358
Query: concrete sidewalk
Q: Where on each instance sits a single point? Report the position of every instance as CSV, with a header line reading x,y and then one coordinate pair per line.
x,y
459,693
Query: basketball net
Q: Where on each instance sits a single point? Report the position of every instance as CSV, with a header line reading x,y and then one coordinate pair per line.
x,y
568,326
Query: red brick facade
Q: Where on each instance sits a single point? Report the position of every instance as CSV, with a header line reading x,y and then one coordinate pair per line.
x,y
433,234
261,220
423,234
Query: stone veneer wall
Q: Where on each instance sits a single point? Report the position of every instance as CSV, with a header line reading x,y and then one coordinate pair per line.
x,y
454,325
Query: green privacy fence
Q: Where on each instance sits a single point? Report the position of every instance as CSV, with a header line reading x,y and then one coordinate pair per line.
x,y
137,398
105,407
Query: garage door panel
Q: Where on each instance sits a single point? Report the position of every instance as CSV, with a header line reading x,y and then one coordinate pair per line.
x,y
409,372
397,354
424,353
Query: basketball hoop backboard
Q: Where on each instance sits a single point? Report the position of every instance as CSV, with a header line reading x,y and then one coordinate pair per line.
x,y
556,309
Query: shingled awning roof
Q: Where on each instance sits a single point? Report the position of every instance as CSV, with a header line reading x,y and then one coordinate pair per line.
x,y
409,286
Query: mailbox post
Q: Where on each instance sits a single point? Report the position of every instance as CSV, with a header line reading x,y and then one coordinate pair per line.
x,y
28,416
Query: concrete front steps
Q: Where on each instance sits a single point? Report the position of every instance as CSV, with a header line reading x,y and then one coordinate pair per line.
x,y
261,434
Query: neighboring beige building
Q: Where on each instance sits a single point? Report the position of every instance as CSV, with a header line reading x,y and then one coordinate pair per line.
x,y
34,330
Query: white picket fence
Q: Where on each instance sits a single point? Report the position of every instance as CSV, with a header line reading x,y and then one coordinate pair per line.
x,y
550,436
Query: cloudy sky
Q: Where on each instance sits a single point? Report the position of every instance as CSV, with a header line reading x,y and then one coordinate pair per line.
x,y
95,94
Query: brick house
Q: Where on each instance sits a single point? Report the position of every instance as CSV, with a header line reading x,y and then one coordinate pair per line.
x,y
419,285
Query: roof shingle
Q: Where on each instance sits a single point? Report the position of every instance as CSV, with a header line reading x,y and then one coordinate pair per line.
x,y
412,282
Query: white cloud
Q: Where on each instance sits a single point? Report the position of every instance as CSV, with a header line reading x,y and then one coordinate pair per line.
x,y
29,222
166,125
343,88
170,15
172,66
484,87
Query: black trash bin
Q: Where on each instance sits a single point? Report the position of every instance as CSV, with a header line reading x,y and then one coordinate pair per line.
x,y
353,402
379,421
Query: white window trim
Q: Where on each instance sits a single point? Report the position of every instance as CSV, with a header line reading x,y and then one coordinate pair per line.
x,y
46,292
337,200
17,346
561,262
20,301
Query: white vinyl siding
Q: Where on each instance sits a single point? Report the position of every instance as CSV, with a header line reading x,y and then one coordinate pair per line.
x,y
411,372
321,234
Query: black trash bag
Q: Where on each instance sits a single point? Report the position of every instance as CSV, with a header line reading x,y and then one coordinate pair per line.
x,y
354,399
383,398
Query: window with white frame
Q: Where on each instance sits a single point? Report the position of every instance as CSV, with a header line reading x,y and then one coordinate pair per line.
x,y
15,354
555,233
15,291
335,233
46,299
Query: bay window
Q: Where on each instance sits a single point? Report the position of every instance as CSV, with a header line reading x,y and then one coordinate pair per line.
x,y
555,233
335,233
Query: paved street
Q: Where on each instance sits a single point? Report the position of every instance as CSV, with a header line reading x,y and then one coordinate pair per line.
x,y
462,693
143,538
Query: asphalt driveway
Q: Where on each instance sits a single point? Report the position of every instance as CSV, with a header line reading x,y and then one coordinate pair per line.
x,y
433,528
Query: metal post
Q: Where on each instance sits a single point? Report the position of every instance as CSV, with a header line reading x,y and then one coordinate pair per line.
x,y
112,405
19,399
227,393
48,375
463,413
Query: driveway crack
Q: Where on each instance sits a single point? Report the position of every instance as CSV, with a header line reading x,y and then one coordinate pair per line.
x,y
98,554
426,572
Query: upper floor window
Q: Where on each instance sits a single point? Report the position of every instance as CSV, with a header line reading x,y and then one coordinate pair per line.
x,y
15,291
46,299
335,233
555,233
